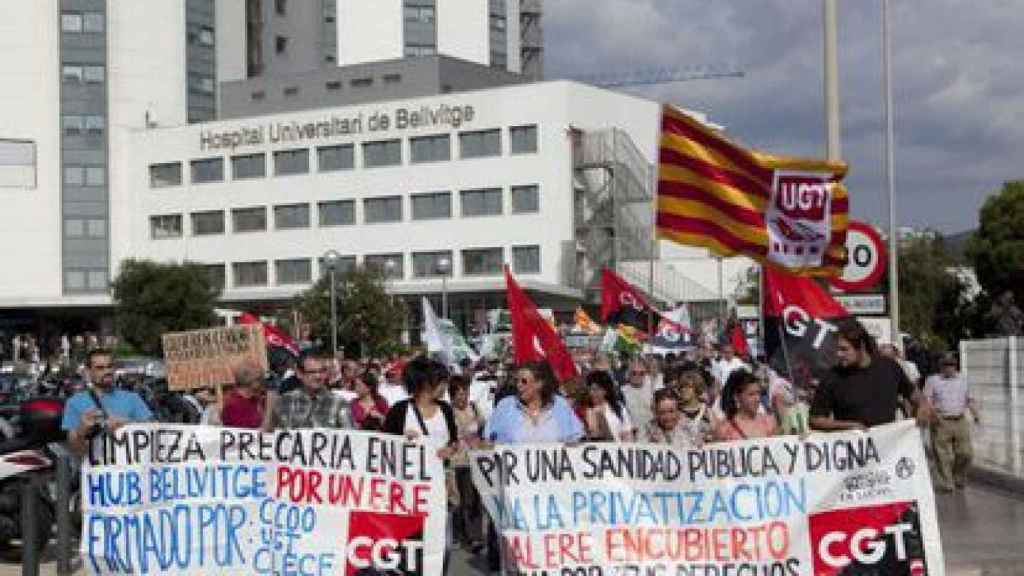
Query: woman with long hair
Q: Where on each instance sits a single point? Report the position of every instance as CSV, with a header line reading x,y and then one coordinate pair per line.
x,y
606,416
369,407
741,400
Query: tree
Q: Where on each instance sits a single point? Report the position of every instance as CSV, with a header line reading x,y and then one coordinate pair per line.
x,y
934,303
369,321
997,248
152,298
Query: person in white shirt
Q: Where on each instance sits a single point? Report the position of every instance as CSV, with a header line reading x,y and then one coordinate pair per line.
x,y
482,391
951,432
391,387
726,364
638,392
607,419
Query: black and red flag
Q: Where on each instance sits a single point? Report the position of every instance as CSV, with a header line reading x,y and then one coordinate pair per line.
x,y
274,336
800,326
534,338
623,303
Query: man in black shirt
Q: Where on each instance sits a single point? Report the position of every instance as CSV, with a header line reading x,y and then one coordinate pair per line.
x,y
864,388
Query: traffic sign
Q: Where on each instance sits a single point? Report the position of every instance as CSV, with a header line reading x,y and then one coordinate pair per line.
x,y
858,304
866,259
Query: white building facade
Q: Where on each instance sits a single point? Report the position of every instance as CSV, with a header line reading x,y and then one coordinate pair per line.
x,y
110,149
482,178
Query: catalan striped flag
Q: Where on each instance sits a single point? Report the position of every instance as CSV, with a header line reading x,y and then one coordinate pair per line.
x,y
783,211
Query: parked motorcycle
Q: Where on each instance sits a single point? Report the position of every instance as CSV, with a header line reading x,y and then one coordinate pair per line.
x,y
29,454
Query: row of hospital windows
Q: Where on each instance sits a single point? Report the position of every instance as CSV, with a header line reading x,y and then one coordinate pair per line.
x,y
475,262
79,22
427,206
434,148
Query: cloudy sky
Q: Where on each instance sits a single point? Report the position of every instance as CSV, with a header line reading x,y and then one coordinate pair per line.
x,y
958,92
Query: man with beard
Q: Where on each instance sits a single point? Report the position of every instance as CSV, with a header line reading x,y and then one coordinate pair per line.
x,y
100,407
864,387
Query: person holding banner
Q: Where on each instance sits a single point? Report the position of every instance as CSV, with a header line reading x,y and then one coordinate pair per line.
x,y
606,417
667,427
312,405
741,405
864,388
424,414
100,407
537,413
694,413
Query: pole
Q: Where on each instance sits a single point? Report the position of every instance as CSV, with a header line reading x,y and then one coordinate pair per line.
x,y
444,296
64,516
832,125
721,296
760,313
30,527
890,144
334,315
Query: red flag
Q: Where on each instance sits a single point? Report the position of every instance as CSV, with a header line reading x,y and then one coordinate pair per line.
x,y
800,330
272,334
739,341
533,337
622,303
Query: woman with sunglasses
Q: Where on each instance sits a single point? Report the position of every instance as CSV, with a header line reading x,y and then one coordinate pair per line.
x,y
537,413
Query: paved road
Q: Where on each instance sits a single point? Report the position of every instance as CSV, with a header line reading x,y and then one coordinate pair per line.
x,y
982,535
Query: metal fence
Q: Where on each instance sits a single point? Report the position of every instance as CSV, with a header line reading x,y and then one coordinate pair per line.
x,y
995,370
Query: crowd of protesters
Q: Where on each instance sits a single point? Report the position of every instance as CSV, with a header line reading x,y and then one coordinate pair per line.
x,y
686,400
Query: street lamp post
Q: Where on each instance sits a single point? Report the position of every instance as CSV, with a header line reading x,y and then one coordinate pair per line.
x,y
389,272
444,267
331,258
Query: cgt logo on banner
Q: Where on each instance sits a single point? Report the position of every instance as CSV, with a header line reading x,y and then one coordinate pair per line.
x,y
799,219
831,504
168,499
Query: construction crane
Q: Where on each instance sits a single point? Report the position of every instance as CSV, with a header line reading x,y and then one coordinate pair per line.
x,y
656,76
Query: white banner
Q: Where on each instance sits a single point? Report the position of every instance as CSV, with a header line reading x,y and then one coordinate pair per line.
x,y
856,503
170,499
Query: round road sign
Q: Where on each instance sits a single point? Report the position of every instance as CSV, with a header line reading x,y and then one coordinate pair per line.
x,y
866,258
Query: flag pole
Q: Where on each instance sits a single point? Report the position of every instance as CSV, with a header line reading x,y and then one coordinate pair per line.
x,y
832,130
760,313
894,284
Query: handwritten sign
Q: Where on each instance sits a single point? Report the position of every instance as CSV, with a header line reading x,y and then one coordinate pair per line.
x,y
851,503
171,499
202,358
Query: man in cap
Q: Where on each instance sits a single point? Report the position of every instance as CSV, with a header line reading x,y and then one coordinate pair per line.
x,y
950,396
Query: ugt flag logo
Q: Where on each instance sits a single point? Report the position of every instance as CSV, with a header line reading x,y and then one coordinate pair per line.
x,y
799,219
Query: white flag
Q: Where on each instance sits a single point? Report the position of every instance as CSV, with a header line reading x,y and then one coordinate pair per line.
x,y
435,340
442,338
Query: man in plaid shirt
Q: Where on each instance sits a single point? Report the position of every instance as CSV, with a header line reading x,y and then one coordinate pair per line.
x,y
312,405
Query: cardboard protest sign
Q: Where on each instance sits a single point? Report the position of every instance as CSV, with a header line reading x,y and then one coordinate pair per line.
x,y
202,358
833,504
172,499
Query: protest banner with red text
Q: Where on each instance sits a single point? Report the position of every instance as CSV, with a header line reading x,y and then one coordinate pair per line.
x,y
832,504
171,499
